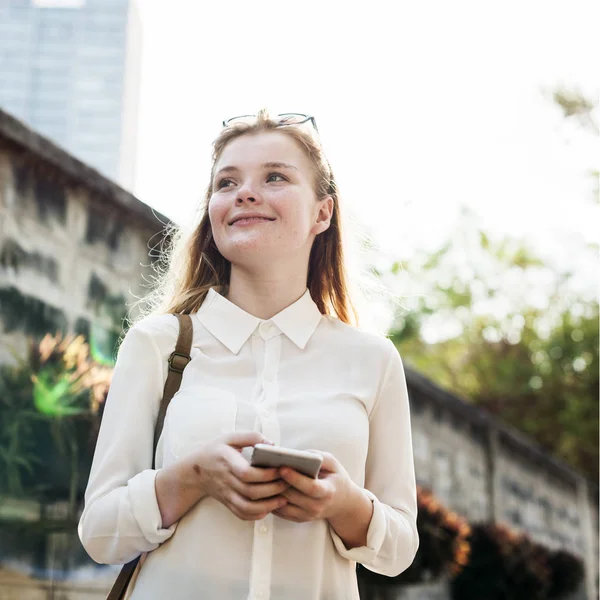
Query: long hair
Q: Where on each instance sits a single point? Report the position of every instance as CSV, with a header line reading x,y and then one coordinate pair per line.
x,y
191,263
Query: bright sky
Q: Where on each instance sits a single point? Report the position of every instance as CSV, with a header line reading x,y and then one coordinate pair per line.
x,y
422,106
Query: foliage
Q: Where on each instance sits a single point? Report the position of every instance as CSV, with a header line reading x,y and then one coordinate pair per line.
x,y
576,106
567,573
18,417
481,560
443,546
506,328
67,381
495,324
505,565
49,405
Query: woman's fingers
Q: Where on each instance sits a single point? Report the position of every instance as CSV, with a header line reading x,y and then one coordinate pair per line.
x,y
315,488
249,492
251,510
253,483
258,491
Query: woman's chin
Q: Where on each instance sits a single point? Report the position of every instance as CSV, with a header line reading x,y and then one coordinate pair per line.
x,y
255,254
245,241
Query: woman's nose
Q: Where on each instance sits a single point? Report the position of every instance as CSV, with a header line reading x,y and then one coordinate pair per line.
x,y
246,193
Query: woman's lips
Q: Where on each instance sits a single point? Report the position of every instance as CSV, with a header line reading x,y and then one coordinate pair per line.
x,y
250,221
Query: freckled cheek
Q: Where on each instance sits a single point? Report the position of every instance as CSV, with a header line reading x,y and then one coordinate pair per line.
x,y
297,225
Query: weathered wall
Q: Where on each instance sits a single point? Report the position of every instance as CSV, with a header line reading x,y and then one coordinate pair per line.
x,y
70,258
486,471
451,459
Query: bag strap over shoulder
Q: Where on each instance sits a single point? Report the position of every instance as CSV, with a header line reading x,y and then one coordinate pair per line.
x,y
178,361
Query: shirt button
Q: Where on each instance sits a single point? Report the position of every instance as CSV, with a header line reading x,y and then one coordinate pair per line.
x,y
265,413
268,376
263,529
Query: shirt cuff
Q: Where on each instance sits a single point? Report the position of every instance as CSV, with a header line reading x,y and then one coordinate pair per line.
x,y
144,507
375,536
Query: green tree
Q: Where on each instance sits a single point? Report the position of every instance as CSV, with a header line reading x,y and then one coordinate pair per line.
x,y
507,329
49,411
498,326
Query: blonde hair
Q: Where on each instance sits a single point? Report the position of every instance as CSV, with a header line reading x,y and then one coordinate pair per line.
x,y
191,263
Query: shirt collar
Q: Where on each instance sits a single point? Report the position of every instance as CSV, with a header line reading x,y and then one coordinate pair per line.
x,y
233,326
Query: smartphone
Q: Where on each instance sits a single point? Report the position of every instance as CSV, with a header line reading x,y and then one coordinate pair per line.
x,y
304,461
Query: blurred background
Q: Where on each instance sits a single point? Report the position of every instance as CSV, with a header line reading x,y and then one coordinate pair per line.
x,y
465,141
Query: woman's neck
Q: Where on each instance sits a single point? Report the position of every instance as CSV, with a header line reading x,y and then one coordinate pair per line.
x,y
264,297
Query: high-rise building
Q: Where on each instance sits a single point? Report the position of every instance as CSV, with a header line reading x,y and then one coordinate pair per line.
x,y
70,70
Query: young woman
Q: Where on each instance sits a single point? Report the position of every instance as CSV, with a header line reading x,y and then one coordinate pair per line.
x,y
276,358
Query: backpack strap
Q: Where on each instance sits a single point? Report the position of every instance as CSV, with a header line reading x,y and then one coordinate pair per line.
x,y
178,361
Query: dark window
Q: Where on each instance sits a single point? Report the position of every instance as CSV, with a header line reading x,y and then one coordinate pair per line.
x,y
51,200
20,178
27,314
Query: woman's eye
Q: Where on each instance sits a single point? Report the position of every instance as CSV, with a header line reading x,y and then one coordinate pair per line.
x,y
224,183
279,175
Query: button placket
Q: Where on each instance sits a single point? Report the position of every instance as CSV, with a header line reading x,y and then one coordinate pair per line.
x,y
262,553
262,550
267,411
268,375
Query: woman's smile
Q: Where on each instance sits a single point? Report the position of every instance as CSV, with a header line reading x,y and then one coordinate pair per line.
x,y
245,221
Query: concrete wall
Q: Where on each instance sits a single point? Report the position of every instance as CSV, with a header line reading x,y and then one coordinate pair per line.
x,y
485,471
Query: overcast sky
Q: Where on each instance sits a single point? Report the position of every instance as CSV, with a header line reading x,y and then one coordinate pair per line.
x,y
422,106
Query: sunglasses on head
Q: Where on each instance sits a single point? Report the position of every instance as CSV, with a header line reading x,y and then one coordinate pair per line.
x,y
282,120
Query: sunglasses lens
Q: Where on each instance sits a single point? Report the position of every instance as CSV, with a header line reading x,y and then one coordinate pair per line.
x,y
247,119
292,119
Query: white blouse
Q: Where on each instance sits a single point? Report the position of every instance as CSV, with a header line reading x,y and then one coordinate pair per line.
x,y
304,380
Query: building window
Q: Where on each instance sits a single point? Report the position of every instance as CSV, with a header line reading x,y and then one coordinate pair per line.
x,y
51,200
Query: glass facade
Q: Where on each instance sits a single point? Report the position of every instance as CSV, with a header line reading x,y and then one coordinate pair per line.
x,y
63,72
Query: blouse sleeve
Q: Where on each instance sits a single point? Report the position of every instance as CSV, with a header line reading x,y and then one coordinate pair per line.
x,y
392,537
121,518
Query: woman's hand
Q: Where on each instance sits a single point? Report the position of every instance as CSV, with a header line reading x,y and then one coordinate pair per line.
x,y
326,497
248,492
218,469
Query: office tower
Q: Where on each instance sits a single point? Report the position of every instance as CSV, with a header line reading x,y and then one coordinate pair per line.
x,y
70,70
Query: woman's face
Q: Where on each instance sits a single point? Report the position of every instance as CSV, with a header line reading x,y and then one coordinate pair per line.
x,y
263,207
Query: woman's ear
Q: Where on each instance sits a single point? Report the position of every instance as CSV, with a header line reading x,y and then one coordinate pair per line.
x,y
324,215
